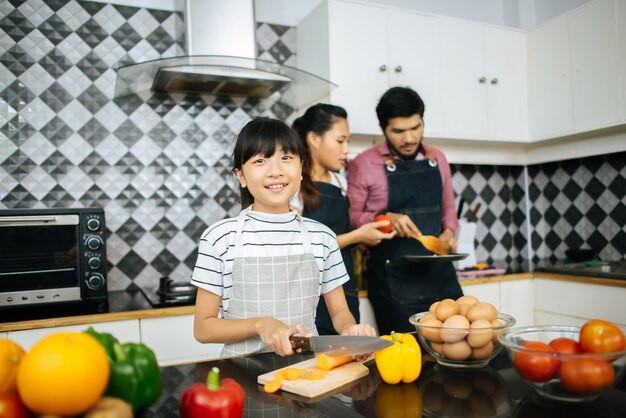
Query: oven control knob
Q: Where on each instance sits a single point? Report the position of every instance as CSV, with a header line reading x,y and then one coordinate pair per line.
x,y
94,263
94,243
93,224
95,281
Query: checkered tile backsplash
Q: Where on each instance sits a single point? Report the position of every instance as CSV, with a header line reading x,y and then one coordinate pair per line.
x,y
159,164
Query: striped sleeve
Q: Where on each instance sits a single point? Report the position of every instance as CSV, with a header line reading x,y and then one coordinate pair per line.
x,y
209,270
333,270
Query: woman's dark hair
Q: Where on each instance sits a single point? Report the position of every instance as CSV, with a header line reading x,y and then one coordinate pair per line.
x,y
399,102
317,119
260,136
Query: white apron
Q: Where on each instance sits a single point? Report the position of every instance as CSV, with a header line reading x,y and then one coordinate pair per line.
x,y
283,287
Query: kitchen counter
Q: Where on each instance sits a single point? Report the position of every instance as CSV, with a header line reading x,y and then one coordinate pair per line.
x,y
134,305
496,390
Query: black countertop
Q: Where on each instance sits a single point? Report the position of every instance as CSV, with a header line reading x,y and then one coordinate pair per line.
x,y
494,391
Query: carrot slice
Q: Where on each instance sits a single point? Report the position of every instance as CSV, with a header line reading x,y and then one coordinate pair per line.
x,y
315,375
272,386
325,362
292,373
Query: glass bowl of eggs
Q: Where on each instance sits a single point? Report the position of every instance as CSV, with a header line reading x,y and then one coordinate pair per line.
x,y
461,333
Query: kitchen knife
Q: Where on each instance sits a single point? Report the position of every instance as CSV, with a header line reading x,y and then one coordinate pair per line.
x,y
339,345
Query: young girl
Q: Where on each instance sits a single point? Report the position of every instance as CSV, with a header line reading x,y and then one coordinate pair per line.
x,y
324,132
265,269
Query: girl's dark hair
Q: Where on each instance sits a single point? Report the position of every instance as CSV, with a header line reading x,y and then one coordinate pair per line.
x,y
317,119
260,136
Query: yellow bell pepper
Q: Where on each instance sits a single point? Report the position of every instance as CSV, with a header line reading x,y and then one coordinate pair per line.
x,y
398,401
400,362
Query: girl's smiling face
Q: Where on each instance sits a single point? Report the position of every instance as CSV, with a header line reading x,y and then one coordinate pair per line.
x,y
272,181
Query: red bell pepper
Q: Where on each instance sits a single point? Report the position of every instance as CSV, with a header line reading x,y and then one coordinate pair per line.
x,y
220,399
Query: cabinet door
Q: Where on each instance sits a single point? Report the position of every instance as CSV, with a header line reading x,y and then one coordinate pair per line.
x,y
550,91
595,81
414,61
4,335
516,299
507,93
484,292
621,43
358,50
171,338
124,331
463,79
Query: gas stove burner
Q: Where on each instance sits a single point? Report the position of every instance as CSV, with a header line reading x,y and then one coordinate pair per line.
x,y
170,293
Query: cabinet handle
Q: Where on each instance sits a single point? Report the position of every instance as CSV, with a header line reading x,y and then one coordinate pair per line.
x,y
494,81
382,68
398,69
482,80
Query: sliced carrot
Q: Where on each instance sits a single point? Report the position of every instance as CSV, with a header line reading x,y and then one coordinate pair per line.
x,y
315,375
292,373
272,386
280,375
325,362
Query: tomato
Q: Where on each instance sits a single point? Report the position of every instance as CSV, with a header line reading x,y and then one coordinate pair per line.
x,y
586,375
11,406
382,217
535,366
598,336
565,346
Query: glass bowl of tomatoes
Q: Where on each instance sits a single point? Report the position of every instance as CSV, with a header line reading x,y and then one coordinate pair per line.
x,y
568,363
462,347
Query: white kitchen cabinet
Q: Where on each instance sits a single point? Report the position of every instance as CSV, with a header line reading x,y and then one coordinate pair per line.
x,y
171,338
555,300
594,65
516,299
574,79
550,91
4,335
483,79
124,331
484,292
621,44
366,49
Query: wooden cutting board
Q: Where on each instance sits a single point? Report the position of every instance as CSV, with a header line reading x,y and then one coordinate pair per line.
x,y
334,378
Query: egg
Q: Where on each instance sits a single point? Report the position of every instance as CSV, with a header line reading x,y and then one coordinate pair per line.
x,y
446,308
477,336
459,350
467,299
463,308
482,352
427,316
454,329
481,310
431,330
496,323
433,306
437,348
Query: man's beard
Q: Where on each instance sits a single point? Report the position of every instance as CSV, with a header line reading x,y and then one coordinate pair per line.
x,y
399,154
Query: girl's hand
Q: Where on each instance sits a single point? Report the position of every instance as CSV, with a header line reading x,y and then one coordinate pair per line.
x,y
370,235
275,334
360,329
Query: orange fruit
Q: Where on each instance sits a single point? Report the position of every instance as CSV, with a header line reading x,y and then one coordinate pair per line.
x,y
10,356
63,374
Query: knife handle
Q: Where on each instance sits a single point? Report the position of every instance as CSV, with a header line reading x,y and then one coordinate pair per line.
x,y
298,342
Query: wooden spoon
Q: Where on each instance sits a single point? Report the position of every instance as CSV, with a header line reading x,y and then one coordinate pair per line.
x,y
434,244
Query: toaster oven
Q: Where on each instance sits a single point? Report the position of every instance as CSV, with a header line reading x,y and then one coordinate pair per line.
x,y
50,256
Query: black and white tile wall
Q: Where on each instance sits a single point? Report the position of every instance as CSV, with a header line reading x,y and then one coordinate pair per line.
x,y
159,164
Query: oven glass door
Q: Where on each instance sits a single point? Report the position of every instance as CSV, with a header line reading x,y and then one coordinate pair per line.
x,y
39,252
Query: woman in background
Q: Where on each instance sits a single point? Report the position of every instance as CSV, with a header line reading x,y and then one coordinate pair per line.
x,y
324,131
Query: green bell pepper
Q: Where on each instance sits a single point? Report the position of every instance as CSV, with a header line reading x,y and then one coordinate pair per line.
x,y
135,373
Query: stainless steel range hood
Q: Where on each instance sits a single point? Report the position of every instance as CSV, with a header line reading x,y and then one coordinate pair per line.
x,y
221,60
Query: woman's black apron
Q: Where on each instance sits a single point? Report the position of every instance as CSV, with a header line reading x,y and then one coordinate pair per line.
x,y
332,211
398,289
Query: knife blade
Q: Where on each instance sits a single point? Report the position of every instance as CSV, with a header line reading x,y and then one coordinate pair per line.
x,y
339,345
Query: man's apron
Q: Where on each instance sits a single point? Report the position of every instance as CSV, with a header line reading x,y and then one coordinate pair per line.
x,y
283,287
398,289
332,211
